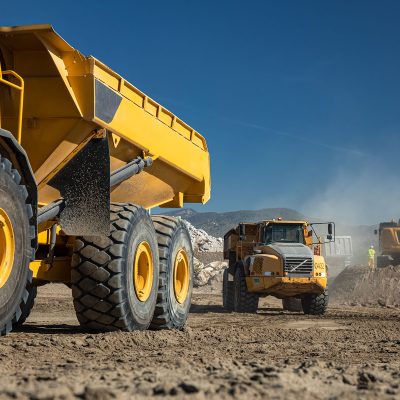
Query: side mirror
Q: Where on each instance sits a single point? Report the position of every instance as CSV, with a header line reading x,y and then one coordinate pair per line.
x,y
329,237
330,229
309,234
242,232
375,231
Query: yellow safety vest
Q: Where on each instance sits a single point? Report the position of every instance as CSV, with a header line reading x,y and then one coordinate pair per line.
x,y
371,253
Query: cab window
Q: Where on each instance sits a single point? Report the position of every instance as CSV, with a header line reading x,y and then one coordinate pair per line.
x,y
283,233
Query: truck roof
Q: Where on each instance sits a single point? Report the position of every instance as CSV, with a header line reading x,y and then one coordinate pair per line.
x,y
276,221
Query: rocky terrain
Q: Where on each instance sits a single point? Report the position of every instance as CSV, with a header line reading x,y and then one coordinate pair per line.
x,y
202,241
208,260
351,352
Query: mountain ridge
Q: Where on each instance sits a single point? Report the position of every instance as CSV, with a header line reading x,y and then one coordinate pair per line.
x,y
218,223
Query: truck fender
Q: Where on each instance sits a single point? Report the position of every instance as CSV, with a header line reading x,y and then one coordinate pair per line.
x,y
11,149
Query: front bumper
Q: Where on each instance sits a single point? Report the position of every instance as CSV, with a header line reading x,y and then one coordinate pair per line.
x,y
282,287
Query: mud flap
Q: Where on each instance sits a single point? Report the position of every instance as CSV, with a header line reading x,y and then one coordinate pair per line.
x,y
84,183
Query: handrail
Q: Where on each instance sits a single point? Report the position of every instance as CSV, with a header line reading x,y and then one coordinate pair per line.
x,y
21,97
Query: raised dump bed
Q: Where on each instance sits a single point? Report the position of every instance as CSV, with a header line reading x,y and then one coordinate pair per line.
x,y
80,136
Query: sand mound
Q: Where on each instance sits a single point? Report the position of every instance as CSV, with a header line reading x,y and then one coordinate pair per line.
x,y
359,286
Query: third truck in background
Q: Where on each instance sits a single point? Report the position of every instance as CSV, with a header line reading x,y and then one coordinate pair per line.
x,y
389,244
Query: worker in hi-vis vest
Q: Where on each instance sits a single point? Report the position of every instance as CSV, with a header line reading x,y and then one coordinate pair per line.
x,y
371,257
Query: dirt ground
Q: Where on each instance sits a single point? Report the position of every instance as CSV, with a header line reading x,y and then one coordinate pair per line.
x,y
352,352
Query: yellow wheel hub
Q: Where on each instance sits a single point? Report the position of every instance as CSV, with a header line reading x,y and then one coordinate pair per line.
x,y
7,247
143,271
181,276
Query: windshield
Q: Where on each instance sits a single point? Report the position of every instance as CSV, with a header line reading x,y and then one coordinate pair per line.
x,y
283,233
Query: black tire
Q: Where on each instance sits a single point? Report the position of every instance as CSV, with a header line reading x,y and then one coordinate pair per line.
x,y
292,304
173,237
227,292
315,304
15,203
244,301
384,261
27,308
102,277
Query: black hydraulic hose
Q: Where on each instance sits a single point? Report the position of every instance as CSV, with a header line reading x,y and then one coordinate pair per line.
x,y
52,210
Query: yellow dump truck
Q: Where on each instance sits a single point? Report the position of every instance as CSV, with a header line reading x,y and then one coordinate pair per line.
x,y
389,244
84,156
276,257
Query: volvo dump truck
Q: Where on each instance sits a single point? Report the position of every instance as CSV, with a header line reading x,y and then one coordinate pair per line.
x,y
389,244
84,156
276,258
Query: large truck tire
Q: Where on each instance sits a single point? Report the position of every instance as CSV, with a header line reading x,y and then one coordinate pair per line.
x,y
244,301
176,273
292,304
315,304
17,237
114,278
227,292
384,261
27,307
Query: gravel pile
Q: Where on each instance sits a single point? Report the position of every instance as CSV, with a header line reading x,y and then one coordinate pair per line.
x,y
202,241
358,285
208,260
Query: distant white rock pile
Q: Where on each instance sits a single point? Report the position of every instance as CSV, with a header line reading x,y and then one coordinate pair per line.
x,y
202,241
204,274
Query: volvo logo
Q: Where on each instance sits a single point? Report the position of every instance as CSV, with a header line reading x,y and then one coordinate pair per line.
x,y
294,267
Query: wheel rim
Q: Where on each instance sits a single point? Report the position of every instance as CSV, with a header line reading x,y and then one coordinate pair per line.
x,y
143,271
7,247
181,276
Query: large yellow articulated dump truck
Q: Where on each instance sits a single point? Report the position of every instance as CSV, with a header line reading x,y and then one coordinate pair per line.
x,y
276,258
84,156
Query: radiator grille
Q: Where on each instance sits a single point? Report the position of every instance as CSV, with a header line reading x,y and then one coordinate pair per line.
x,y
298,265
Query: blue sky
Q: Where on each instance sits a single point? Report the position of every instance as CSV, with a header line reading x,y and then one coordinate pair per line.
x,y
298,100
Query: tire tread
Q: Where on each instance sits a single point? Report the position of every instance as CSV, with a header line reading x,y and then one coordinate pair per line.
x,y
97,273
26,303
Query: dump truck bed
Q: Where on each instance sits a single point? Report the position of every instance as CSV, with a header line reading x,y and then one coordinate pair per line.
x,y
69,96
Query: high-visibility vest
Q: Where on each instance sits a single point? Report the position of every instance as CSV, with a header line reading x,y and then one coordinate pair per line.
x,y
371,253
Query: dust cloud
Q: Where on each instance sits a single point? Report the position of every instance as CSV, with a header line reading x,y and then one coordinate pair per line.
x,y
365,195
357,199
